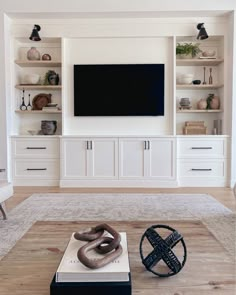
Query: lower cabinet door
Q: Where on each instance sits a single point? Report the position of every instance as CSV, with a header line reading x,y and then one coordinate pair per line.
x,y
94,158
132,158
162,158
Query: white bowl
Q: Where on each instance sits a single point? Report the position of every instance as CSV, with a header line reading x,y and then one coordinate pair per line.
x,y
31,79
33,132
208,53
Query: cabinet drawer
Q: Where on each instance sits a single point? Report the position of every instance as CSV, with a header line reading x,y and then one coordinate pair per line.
x,y
36,169
35,148
201,148
198,168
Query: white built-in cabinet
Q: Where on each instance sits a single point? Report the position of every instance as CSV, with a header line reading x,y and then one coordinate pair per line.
x,y
167,160
146,158
94,158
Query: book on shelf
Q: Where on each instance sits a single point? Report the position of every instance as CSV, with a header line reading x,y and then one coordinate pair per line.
x,y
49,109
71,269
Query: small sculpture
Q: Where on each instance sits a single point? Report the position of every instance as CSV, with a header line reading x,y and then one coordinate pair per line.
x,y
101,244
46,56
23,106
162,250
51,78
204,77
210,77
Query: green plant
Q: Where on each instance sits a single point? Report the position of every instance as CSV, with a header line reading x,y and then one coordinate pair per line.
x,y
208,100
188,49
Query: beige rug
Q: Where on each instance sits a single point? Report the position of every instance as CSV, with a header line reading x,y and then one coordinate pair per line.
x,y
69,207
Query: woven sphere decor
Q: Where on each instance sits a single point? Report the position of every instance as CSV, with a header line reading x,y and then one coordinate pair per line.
x,y
163,261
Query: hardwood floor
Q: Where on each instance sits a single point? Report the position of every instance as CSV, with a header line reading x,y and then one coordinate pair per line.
x,y
223,195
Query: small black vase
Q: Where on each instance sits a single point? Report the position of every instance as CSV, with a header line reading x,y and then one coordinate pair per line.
x,y
48,127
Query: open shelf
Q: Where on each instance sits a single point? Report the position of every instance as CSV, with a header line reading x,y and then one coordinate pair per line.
x,y
199,62
38,63
37,87
201,86
38,112
199,111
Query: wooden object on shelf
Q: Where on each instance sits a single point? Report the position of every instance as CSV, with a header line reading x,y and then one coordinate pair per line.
x,y
194,127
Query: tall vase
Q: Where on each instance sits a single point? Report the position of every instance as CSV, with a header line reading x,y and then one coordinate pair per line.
x,y
33,54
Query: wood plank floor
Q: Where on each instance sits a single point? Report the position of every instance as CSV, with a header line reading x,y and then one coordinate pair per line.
x,y
223,195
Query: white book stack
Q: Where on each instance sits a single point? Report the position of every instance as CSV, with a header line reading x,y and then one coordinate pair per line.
x,y
72,270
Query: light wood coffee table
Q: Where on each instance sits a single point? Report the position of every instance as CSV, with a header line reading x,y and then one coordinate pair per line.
x,y
29,267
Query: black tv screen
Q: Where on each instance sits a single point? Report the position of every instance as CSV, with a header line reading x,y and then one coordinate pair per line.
x,y
119,90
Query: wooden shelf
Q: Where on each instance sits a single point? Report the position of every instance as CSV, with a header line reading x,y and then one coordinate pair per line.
x,y
38,87
199,62
38,63
201,86
199,111
38,112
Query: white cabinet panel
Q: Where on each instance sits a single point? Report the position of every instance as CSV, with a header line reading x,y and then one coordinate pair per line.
x,y
35,169
104,158
200,147
132,158
93,158
161,158
35,148
74,162
147,158
200,168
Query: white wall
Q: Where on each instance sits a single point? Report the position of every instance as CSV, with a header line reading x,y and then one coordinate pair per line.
x,y
114,51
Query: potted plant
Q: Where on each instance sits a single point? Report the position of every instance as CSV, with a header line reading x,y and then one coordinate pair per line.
x,y
187,50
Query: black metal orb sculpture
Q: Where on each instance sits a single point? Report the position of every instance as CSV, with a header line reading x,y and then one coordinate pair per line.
x,y
163,251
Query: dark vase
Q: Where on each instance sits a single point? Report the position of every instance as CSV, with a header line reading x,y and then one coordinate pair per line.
x,y
48,127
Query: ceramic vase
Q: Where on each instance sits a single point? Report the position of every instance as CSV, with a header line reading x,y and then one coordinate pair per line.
x,y
215,103
202,104
48,127
33,54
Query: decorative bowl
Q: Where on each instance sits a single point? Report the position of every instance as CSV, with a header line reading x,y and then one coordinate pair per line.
x,y
186,79
33,132
196,82
208,53
31,79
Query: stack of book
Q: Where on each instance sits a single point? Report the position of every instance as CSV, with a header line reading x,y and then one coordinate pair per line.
x,y
72,277
194,127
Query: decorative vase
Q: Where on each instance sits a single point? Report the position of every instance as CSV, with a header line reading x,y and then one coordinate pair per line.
x,y
52,78
33,54
215,103
48,127
202,104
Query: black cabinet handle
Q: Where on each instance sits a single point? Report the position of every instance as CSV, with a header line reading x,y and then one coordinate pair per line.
x,y
201,148
36,148
36,169
201,169
148,144
145,144
2,170
91,145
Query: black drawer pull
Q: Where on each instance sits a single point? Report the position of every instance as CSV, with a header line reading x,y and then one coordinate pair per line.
x,y
36,169
201,148
2,170
36,148
201,169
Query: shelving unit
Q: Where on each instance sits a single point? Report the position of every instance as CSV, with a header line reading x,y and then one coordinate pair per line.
x,y
197,66
31,120
38,87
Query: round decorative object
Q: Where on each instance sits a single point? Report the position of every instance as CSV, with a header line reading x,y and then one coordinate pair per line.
x,y
215,103
48,127
31,79
202,104
46,56
162,260
196,82
41,100
33,54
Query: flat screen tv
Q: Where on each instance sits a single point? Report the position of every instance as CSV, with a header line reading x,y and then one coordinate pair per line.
x,y
119,90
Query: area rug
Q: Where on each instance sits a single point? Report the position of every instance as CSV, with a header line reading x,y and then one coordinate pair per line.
x,y
219,220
